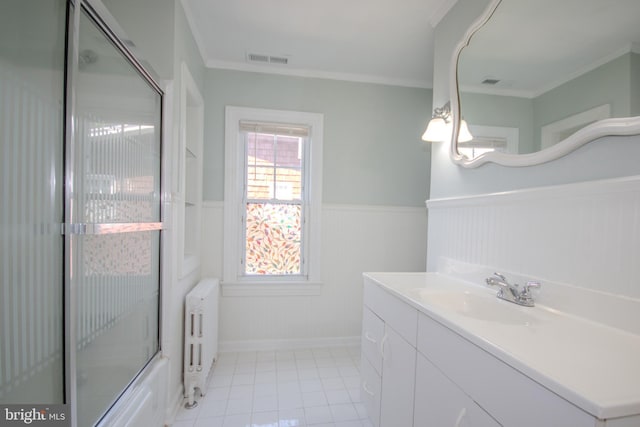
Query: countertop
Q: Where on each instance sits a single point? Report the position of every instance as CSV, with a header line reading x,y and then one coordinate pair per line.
x,y
594,366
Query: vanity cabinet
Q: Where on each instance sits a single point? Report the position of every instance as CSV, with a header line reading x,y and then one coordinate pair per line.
x,y
511,397
417,371
440,402
388,359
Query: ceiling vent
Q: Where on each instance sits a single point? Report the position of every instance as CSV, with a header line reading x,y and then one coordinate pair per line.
x,y
490,81
267,59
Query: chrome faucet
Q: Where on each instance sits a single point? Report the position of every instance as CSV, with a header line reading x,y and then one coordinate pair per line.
x,y
512,293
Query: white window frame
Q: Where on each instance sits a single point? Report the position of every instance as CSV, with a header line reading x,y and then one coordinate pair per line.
x,y
235,282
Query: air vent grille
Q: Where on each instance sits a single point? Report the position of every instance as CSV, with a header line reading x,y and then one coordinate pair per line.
x,y
278,60
490,81
267,59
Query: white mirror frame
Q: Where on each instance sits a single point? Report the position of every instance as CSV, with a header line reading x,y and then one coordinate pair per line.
x,y
616,126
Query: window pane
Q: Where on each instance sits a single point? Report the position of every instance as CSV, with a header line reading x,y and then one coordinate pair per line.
x,y
289,152
288,168
260,165
273,238
274,167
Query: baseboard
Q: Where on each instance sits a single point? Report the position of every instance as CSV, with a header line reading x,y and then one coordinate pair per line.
x,y
287,344
175,403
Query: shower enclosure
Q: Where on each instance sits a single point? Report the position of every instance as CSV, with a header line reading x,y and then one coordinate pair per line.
x,y
80,219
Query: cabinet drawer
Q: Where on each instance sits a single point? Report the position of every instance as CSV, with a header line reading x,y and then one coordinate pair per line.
x,y
396,313
370,391
372,333
495,386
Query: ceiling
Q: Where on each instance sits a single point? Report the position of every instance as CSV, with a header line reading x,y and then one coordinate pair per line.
x,y
532,47
378,41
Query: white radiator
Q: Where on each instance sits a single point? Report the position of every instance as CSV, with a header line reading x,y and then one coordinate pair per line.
x,y
200,337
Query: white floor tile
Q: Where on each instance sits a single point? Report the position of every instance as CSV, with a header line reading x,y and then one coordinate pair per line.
x,y
290,388
210,422
220,380
246,368
290,401
265,377
265,403
265,419
356,423
351,382
318,414
266,366
243,379
291,418
314,398
242,420
307,386
265,389
239,406
344,412
333,384
219,393
266,356
338,396
247,356
328,372
212,408
241,392
188,414
325,362
308,373
287,376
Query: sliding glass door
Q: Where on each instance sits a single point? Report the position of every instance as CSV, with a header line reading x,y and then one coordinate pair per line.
x,y
32,46
114,220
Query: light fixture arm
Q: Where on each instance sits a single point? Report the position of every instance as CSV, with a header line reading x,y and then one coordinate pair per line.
x,y
443,112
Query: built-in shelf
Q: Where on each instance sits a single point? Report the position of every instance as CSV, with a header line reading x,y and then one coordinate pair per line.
x,y
192,121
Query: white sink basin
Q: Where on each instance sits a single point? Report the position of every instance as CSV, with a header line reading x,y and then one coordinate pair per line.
x,y
478,306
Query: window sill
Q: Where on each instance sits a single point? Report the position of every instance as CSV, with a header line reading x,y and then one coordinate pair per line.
x,y
262,289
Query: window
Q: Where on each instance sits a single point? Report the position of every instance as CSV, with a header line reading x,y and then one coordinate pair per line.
x,y
273,164
490,138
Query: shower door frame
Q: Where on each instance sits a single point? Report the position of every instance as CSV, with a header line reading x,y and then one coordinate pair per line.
x,y
102,18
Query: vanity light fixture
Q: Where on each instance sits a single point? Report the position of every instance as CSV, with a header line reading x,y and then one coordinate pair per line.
x,y
439,127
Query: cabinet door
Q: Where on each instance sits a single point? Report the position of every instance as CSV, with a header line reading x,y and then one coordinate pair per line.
x,y
439,402
398,381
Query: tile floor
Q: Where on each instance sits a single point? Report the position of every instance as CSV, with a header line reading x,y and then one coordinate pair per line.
x,y
310,387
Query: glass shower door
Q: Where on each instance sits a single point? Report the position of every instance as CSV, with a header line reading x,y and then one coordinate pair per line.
x,y
115,242
32,47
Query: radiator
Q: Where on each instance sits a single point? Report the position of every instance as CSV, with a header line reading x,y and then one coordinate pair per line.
x,y
200,337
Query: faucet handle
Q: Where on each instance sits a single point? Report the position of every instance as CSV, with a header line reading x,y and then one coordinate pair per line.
x,y
500,276
529,285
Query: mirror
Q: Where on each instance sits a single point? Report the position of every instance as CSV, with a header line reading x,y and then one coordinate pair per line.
x,y
536,80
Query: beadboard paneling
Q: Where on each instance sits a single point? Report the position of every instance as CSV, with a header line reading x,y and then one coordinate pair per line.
x,y
585,234
356,238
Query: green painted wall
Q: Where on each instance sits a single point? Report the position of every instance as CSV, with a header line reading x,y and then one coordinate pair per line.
x,y
372,148
635,84
507,111
607,84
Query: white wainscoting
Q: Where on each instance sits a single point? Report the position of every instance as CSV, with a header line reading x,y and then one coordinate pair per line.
x,y
585,234
356,239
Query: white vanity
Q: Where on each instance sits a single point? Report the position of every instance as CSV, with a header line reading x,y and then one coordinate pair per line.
x,y
439,351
